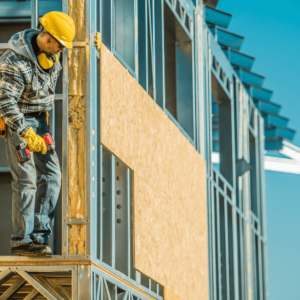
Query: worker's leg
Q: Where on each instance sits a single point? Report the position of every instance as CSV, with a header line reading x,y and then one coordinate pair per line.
x,y
23,190
48,188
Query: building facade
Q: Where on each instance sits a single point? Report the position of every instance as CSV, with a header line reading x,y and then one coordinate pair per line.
x,y
160,128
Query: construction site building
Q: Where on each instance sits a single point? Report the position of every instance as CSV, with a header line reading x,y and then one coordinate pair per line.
x,y
160,132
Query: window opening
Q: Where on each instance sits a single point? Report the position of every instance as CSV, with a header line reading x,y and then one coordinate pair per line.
x,y
106,23
253,174
151,49
230,234
150,54
222,75
222,128
159,53
188,23
118,30
215,64
143,40
179,73
178,8
228,85
125,31
223,252
215,124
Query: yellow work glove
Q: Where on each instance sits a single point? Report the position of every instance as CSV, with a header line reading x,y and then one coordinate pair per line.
x,y
34,141
98,41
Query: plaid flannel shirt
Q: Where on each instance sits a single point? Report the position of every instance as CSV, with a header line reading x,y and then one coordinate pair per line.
x,y
24,88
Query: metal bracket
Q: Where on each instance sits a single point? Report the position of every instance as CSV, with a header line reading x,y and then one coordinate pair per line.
x,y
242,166
80,44
73,221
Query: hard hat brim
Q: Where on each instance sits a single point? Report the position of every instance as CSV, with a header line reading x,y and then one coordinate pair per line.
x,y
68,45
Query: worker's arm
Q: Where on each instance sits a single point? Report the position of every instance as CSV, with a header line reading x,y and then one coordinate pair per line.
x,y
11,88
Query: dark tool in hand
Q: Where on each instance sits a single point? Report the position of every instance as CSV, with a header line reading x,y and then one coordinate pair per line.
x,y
23,153
50,144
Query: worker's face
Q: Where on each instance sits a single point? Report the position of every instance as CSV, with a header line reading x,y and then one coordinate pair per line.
x,y
52,46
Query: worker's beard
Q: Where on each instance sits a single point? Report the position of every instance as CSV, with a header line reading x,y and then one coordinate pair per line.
x,y
50,54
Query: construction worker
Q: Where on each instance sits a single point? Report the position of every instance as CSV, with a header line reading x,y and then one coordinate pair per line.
x,y
28,73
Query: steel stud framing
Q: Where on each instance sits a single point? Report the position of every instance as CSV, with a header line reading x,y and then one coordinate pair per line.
x,y
235,187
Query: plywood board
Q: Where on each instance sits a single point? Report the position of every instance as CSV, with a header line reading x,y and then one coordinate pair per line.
x,y
170,213
170,295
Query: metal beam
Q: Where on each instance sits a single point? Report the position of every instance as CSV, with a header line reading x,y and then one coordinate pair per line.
x,y
282,165
260,93
13,289
59,97
239,59
250,78
227,38
16,11
43,282
5,275
3,46
276,164
73,221
34,13
217,17
54,258
32,295
36,285
65,150
211,3
290,151
65,294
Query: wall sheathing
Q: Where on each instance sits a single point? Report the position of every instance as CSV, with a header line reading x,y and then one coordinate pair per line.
x,y
76,134
170,213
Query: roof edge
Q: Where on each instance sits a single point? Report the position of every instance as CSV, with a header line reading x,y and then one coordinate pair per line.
x,y
211,3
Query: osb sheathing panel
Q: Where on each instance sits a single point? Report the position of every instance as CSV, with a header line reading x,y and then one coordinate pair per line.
x,y
170,295
76,134
170,214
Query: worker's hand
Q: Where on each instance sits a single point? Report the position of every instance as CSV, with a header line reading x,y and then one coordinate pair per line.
x,y
98,41
34,141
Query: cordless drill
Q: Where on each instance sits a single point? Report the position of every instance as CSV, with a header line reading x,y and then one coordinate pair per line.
x,y
49,144
23,152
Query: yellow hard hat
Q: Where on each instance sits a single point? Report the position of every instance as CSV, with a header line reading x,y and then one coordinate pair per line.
x,y
60,26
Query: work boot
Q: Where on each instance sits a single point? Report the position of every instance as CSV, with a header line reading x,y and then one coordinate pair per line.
x,y
43,244
32,249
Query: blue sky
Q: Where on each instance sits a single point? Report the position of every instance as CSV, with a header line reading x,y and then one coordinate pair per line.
x,y
272,35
